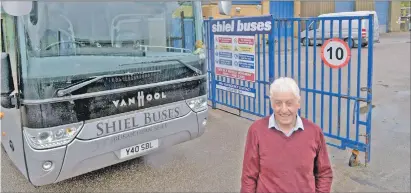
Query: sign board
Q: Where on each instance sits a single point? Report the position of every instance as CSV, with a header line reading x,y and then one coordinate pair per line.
x,y
233,53
335,53
242,26
234,57
236,89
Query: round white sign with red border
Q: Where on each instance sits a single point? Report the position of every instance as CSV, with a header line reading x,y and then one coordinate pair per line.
x,y
335,53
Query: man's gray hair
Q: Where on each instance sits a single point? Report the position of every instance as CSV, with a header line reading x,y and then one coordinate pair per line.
x,y
285,84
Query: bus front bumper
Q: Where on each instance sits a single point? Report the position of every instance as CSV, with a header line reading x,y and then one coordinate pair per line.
x,y
83,156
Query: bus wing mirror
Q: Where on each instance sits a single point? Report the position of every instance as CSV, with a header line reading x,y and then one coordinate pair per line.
x,y
224,7
17,8
7,86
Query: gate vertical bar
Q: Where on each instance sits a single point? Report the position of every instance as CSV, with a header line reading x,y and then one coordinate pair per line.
x,y
357,114
285,47
258,76
369,84
264,75
213,86
207,54
315,70
279,25
292,49
271,58
206,30
339,84
306,68
322,78
349,83
299,59
330,110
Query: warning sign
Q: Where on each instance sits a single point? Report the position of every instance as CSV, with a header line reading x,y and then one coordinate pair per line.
x,y
235,57
335,53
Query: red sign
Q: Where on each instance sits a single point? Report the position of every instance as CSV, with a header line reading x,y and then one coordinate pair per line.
x,y
248,41
335,53
235,74
225,40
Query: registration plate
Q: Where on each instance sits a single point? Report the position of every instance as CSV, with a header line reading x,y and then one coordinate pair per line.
x,y
138,149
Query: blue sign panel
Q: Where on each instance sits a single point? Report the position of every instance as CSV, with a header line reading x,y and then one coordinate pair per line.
x,y
246,65
224,54
242,26
226,62
247,57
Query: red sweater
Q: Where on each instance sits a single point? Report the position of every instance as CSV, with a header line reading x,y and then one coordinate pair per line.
x,y
274,162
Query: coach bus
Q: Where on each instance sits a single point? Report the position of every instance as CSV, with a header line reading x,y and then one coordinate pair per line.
x,y
86,85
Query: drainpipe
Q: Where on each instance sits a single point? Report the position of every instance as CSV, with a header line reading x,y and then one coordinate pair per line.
x,y
198,14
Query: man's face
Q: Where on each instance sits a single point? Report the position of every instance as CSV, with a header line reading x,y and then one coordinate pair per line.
x,y
285,106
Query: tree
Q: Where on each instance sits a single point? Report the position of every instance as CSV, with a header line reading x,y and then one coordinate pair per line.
x,y
405,3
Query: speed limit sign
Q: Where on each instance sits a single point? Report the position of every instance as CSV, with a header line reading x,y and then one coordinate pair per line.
x,y
335,53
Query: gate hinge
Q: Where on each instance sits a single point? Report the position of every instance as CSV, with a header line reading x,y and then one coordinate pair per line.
x,y
366,89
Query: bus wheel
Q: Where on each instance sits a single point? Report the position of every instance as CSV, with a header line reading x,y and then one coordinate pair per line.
x,y
303,41
142,160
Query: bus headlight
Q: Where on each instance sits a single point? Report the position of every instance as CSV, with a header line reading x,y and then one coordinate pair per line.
x,y
52,137
197,104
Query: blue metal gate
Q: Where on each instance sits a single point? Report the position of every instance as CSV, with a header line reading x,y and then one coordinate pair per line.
x,y
338,100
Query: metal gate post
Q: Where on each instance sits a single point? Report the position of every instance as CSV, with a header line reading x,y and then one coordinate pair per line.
x,y
271,42
212,70
369,85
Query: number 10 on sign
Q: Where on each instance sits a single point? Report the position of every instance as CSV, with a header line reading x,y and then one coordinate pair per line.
x,y
335,53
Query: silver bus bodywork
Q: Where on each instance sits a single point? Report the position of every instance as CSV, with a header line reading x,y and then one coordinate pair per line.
x,y
87,152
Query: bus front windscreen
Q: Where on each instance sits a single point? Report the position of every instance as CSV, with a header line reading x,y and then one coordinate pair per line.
x,y
76,48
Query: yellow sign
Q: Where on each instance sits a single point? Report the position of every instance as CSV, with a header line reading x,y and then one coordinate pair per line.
x,y
245,49
225,47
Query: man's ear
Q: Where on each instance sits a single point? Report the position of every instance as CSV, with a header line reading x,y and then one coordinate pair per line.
x,y
271,103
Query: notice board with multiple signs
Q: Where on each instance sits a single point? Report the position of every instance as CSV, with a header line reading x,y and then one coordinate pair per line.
x,y
235,57
234,51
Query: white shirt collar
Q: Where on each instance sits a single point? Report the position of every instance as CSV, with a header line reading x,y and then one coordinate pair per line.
x,y
272,124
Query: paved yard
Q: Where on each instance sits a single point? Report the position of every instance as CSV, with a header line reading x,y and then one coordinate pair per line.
x,y
212,163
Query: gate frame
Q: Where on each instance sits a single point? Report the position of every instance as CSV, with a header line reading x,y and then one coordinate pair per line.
x,y
356,146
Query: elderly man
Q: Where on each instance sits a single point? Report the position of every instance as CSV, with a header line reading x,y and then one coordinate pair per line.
x,y
283,152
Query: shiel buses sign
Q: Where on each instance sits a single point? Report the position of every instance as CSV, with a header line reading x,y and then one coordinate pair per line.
x,y
234,46
242,26
234,50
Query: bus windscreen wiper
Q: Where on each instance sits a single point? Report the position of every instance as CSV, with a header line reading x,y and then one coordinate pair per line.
x,y
75,87
167,60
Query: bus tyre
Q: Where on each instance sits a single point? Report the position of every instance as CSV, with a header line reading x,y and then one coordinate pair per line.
x,y
3,149
304,41
141,160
